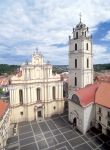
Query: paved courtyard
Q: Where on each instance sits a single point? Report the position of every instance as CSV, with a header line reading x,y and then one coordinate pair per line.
x,y
56,134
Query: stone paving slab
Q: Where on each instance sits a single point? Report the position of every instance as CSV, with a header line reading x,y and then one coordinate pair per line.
x,y
44,127
30,147
25,135
83,147
24,129
56,132
42,144
76,141
51,125
39,137
26,141
48,134
23,123
36,129
70,135
13,139
60,138
51,141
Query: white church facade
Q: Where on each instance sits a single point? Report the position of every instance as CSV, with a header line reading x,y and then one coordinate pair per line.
x,y
35,93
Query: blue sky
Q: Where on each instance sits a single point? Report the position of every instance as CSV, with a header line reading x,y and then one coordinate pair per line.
x,y
29,24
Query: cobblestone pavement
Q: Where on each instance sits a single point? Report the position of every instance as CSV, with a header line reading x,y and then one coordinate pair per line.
x,y
56,134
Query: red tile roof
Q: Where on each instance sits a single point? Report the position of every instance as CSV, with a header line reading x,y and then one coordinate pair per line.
x,y
98,93
87,94
102,96
4,81
102,78
3,108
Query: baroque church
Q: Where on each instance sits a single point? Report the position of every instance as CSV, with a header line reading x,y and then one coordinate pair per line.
x,y
89,103
35,92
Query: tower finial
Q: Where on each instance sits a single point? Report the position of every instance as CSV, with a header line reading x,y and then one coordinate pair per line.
x,y
80,16
36,50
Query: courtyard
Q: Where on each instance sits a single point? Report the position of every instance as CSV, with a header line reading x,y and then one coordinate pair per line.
x,y
56,134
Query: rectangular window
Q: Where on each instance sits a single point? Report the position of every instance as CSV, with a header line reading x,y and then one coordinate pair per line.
x,y
87,63
54,92
108,113
99,118
76,35
21,96
86,46
75,81
38,92
108,123
75,46
99,110
75,63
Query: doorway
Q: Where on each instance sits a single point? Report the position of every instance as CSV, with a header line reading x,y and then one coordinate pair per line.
x,y
100,127
108,132
75,122
39,114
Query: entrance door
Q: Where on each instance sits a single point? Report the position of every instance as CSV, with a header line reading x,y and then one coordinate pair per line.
x,y
108,132
99,126
74,122
39,114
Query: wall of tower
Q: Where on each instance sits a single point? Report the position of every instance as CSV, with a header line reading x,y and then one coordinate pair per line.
x,y
80,58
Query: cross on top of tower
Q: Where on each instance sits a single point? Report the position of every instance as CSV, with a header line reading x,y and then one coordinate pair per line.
x,y
80,15
36,50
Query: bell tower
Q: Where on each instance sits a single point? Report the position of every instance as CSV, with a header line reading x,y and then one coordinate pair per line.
x,y
80,57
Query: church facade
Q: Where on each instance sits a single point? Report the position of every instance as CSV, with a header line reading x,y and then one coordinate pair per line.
x,y
35,93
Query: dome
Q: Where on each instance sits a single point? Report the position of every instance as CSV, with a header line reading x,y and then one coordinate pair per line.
x,y
80,25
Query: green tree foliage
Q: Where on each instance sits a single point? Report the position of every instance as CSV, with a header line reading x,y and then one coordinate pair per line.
x,y
1,91
7,69
10,69
100,67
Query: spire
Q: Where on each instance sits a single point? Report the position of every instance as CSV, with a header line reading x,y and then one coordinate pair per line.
x,y
80,16
36,50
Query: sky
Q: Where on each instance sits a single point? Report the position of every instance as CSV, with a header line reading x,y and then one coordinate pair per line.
x,y
46,24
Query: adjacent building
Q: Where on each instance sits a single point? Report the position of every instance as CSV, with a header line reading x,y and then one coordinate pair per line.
x,y
35,92
89,103
4,123
90,106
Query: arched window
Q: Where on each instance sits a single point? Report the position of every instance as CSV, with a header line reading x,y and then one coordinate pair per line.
x,y
75,46
75,63
75,81
53,92
86,46
87,63
38,92
21,96
76,35
85,33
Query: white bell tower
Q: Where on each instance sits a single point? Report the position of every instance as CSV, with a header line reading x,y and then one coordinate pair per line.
x,y
80,57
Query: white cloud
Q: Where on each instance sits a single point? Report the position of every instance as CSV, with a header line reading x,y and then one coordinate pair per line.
x,y
100,54
106,37
46,23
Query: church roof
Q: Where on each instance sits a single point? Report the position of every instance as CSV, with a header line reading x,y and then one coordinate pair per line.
x,y
87,94
3,108
102,96
98,93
